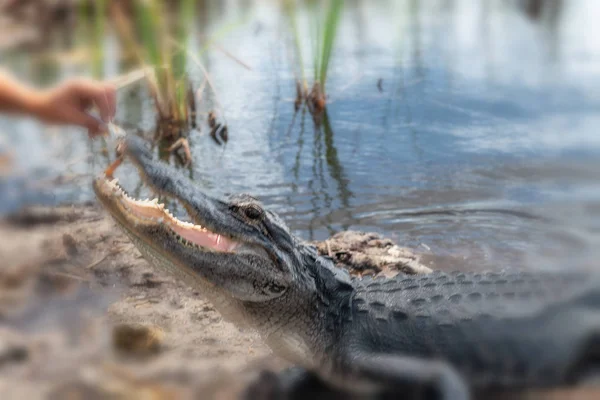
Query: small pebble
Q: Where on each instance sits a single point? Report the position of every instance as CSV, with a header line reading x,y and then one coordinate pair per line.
x,y
70,244
135,339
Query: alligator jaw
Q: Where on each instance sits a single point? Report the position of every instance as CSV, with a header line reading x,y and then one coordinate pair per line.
x,y
229,267
129,211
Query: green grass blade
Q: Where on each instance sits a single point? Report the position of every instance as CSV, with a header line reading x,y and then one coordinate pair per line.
x,y
315,29
331,25
179,57
186,12
290,10
98,38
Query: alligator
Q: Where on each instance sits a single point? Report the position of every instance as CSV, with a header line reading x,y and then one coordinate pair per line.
x,y
440,335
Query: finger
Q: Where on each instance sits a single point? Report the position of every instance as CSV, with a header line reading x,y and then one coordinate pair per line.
x,y
85,104
94,125
91,91
94,134
111,98
103,107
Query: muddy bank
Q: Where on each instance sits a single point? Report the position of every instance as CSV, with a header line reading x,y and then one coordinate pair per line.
x,y
82,315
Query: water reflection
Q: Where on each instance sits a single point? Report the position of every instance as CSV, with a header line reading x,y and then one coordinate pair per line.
x,y
336,171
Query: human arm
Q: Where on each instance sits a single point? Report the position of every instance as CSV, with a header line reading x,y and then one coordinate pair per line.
x,y
66,103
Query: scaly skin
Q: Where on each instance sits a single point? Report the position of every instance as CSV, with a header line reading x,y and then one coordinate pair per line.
x,y
439,334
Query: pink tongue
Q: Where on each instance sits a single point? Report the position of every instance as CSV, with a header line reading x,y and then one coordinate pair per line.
x,y
204,239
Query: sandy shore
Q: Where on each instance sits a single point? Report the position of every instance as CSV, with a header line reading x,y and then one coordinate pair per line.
x,y
72,280
82,315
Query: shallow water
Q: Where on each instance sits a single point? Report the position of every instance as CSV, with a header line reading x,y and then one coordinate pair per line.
x,y
480,145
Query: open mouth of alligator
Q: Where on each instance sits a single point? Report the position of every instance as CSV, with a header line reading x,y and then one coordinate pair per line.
x,y
154,212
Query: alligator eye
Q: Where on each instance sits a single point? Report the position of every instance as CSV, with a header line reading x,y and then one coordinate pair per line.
x,y
274,288
253,212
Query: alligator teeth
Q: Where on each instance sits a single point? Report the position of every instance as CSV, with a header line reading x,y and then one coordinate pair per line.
x,y
151,210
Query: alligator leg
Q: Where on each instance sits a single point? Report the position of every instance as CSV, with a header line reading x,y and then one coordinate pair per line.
x,y
294,383
298,383
397,375
586,369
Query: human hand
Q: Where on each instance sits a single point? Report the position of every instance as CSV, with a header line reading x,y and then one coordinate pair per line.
x,y
69,102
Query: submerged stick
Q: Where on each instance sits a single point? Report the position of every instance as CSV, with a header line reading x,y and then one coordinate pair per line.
x,y
191,98
223,134
182,142
213,134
